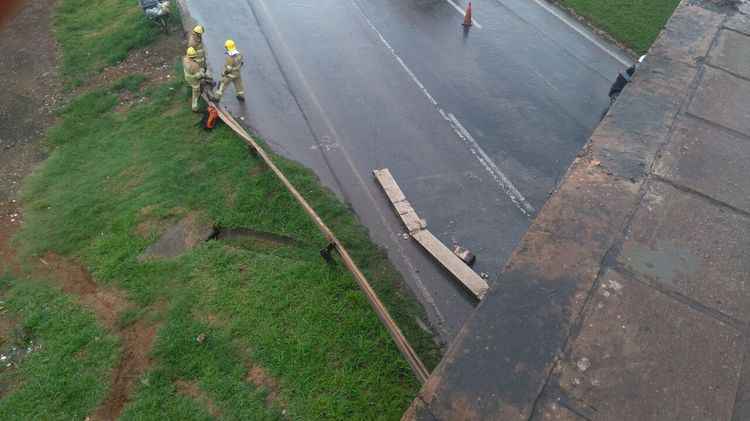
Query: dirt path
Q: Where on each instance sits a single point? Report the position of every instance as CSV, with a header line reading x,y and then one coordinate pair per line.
x,y
30,71
137,341
107,304
28,68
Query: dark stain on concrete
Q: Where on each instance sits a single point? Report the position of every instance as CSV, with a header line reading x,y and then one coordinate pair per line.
x,y
492,375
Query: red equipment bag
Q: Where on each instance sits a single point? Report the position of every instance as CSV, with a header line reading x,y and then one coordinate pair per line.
x,y
212,117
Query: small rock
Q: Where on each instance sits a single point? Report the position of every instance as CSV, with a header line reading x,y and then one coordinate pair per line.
x,y
464,254
615,285
583,364
181,237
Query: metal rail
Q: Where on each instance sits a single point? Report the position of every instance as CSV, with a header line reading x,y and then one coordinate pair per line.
x,y
420,371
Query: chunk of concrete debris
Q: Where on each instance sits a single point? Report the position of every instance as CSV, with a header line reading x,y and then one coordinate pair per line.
x,y
190,231
464,254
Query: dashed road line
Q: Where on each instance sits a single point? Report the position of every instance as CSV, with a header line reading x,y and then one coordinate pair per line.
x,y
500,178
329,127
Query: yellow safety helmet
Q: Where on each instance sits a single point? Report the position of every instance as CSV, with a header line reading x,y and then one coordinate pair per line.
x,y
198,29
229,45
191,52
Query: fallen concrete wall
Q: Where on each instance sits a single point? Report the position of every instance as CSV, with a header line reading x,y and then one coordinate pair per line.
x,y
628,297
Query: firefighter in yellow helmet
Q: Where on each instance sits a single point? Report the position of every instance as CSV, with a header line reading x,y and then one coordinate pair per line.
x,y
232,72
195,40
194,75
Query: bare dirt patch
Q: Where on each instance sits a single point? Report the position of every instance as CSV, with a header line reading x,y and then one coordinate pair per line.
x,y
155,62
29,70
191,390
137,341
27,110
107,304
10,221
259,377
190,231
74,279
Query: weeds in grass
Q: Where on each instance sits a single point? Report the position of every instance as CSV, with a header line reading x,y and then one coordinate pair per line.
x,y
65,374
283,308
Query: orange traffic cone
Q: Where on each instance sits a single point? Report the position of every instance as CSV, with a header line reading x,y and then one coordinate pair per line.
x,y
467,16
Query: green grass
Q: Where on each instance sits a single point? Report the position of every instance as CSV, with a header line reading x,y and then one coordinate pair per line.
x,y
636,23
280,305
94,35
65,376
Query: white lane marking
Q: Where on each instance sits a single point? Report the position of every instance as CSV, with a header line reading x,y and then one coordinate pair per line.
x,y
463,13
492,168
505,184
566,20
312,97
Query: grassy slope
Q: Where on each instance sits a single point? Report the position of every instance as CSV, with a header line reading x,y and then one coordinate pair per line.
x,y
64,378
306,322
94,35
636,23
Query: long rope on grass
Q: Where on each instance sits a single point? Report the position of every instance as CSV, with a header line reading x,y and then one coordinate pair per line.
x,y
420,371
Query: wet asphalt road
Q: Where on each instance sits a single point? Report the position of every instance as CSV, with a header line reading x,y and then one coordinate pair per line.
x,y
476,126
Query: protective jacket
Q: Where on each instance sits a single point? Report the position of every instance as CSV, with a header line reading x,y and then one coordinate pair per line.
x,y
233,64
194,73
196,41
